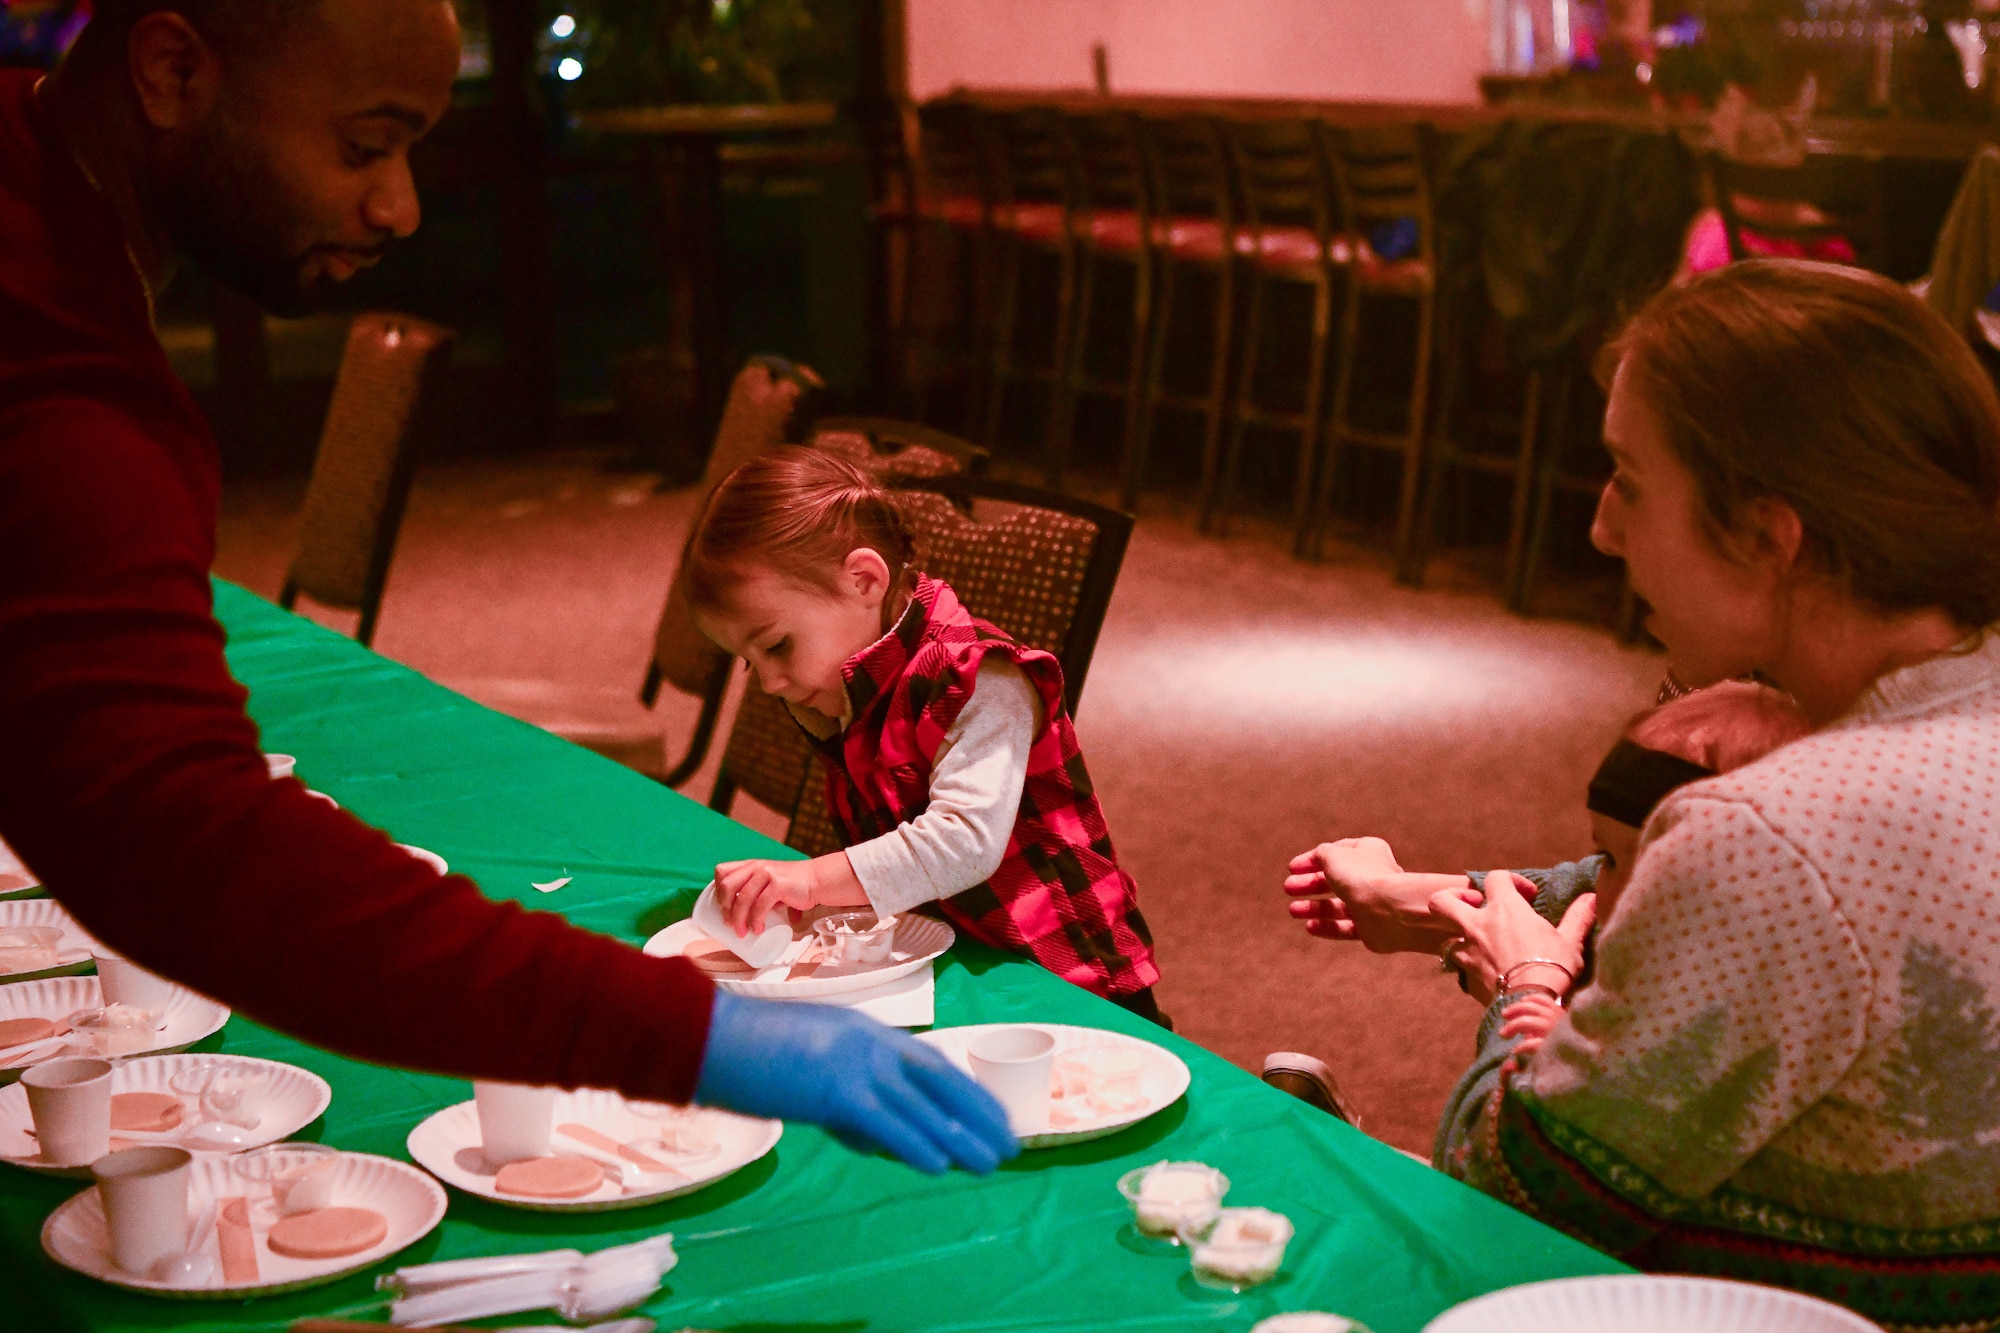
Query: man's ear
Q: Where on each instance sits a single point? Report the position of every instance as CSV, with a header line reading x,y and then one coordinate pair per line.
x,y
175,72
867,573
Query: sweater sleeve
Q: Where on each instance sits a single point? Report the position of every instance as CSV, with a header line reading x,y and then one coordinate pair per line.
x,y
975,797
1730,995
135,787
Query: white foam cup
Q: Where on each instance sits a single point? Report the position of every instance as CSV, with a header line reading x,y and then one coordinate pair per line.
x,y
514,1120
280,765
70,1102
145,1197
125,982
1015,1064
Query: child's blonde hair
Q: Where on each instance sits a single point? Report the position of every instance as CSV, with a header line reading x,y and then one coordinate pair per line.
x,y
801,512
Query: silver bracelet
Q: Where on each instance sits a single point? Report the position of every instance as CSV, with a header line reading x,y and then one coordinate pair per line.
x,y
1507,977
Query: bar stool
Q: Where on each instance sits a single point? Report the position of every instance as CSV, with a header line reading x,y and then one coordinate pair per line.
x,y
1287,236
1828,207
1479,425
1112,220
949,298
1037,186
1383,176
885,127
1192,236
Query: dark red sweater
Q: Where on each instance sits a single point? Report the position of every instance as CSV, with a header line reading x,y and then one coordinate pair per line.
x,y
130,777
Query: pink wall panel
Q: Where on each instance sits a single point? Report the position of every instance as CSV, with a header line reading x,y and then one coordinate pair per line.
x,y
1363,50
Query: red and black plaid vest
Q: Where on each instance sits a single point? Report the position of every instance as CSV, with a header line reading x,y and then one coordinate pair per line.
x,y
1059,895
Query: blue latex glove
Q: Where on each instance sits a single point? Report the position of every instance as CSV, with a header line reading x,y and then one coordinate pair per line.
x,y
866,1082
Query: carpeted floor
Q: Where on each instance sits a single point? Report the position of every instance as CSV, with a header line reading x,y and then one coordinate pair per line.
x,y
1242,707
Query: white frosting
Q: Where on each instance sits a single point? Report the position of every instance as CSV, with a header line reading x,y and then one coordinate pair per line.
x,y
1172,1196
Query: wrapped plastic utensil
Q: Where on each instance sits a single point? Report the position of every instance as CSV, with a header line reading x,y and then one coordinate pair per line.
x,y
575,1285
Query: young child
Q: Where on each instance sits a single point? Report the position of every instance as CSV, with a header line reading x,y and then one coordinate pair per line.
x,y
1698,735
951,766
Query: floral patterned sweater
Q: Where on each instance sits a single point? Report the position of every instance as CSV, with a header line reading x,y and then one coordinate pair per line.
x,y
1786,1067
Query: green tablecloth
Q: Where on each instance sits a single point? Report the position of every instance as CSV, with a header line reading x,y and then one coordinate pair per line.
x,y
813,1237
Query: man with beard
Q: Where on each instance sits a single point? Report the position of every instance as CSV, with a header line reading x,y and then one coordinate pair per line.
x,y
267,141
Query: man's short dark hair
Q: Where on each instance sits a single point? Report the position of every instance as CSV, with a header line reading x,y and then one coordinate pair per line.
x,y
230,25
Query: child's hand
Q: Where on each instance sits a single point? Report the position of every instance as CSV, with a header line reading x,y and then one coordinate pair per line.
x,y
1531,1016
748,891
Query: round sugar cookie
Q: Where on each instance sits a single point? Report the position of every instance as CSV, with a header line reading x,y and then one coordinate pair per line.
x,y
714,958
328,1233
147,1112
564,1176
21,1031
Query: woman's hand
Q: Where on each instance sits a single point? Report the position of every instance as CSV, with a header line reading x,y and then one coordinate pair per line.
x,y
1504,931
1354,890
749,891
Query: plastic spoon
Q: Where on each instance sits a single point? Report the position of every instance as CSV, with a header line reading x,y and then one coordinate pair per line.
x,y
196,1267
34,1051
627,1177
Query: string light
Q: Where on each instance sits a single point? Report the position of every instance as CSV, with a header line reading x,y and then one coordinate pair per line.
x,y
569,69
564,25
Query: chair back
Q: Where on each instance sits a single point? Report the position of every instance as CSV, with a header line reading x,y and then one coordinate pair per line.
x,y
1282,174
361,476
884,126
1037,162
770,403
954,165
1382,173
1041,566
895,449
1188,160
1823,200
1112,175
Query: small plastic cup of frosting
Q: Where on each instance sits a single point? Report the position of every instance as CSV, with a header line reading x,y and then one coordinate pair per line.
x,y
1240,1248
1170,1199
856,939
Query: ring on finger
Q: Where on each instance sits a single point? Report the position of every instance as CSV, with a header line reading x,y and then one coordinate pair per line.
x,y
1445,963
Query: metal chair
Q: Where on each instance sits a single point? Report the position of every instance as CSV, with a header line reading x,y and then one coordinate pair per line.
x,y
1287,236
772,402
1034,214
1114,222
1816,204
1042,569
1383,175
361,476
1193,235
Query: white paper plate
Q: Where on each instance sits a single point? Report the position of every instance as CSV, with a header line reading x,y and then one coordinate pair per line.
x,y
1162,1080
431,859
447,1145
75,1235
16,880
918,940
76,943
190,1016
1645,1304
292,1099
